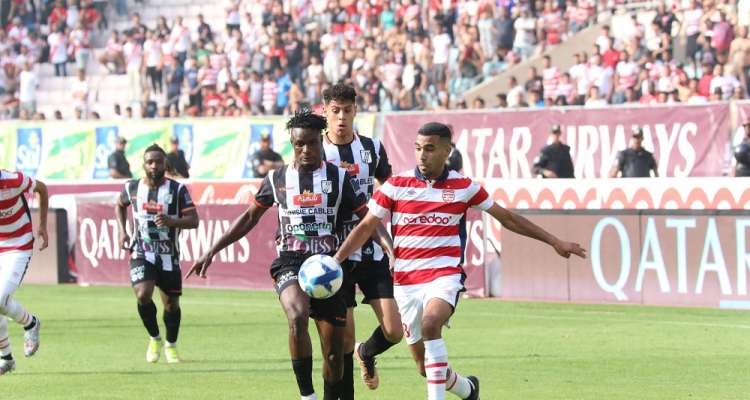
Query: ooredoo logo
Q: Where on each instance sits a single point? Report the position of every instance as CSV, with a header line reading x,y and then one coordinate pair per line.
x,y
427,220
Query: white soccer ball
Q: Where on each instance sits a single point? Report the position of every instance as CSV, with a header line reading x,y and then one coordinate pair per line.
x,y
320,276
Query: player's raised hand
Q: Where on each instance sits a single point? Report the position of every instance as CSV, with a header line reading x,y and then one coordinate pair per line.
x,y
565,249
200,267
42,234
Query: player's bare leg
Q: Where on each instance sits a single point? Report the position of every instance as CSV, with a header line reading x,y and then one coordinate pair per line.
x,y
431,356
144,292
331,344
296,306
172,317
385,336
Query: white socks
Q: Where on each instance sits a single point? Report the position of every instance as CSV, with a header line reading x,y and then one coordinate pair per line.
x,y
310,397
435,366
4,339
457,384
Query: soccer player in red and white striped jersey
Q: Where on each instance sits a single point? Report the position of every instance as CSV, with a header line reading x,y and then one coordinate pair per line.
x,y
426,206
16,244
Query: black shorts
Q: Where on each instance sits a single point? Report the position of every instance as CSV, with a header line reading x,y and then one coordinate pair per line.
x,y
373,278
284,272
170,282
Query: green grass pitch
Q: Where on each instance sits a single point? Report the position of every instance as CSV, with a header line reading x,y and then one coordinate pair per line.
x,y
234,347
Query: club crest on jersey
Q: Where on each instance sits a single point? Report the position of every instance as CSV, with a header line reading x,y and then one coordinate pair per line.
x,y
153,207
168,198
351,169
366,156
326,187
449,195
307,199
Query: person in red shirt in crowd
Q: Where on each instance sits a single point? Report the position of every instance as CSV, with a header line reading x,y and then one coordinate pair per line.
x,y
704,84
58,14
88,15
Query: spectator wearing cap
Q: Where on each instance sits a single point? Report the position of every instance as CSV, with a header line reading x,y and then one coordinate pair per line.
x,y
119,167
742,153
265,159
176,159
554,160
635,161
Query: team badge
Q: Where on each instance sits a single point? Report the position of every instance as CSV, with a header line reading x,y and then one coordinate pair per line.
x,y
449,195
366,156
168,198
326,186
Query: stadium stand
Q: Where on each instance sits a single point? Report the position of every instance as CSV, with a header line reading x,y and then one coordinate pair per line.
x,y
240,57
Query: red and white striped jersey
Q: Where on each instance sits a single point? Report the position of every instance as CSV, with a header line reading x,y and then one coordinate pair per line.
x,y
15,217
425,219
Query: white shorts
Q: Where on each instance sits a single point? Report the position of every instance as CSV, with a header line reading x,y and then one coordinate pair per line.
x,y
13,266
411,300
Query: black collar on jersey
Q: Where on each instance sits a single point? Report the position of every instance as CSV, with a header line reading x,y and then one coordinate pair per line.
x,y
442,177
354,138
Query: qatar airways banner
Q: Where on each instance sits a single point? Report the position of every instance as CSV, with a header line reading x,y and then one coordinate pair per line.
x,y
244,264
654,258
686,140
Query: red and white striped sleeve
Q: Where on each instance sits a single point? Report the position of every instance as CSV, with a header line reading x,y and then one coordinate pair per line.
x,y
382,201
481,199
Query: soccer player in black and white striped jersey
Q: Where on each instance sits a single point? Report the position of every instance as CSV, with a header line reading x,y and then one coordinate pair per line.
x,y
366,161
161,208
312,196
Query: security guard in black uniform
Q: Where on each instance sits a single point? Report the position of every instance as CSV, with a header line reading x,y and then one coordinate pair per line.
x,y
742,153
554,160
635,161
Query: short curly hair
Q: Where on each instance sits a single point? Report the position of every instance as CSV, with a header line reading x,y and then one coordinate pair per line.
x,y
305,118
339,92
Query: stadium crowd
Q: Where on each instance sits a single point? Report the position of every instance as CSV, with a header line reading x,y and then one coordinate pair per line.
x,y
401,55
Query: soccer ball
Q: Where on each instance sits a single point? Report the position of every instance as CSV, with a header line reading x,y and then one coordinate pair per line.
x,y
320,276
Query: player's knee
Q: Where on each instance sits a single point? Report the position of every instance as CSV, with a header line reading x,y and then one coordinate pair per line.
x,y
143,297
431,327
171,305
297,320
4,300
335,370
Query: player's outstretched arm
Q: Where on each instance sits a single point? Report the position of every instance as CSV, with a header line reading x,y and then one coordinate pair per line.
x,y
358,236
523,226
241,227
380,235
41,189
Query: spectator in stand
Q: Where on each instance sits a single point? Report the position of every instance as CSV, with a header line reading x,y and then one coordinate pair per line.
x,y
28,84
112,57
58,49
133,57
80,40
550,78
152,53
80,93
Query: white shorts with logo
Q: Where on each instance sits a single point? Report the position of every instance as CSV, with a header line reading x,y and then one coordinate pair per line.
x,y
412,299
12,269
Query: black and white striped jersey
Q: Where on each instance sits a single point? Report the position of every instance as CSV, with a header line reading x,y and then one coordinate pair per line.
x,y
310,205
365,160
151,242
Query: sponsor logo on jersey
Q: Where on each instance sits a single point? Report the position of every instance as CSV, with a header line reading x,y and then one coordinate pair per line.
x,y
351,169
300,229
427,220
449,195
326,186
6,213
307,211
366,156
307,199
153,207
157,246
311,244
